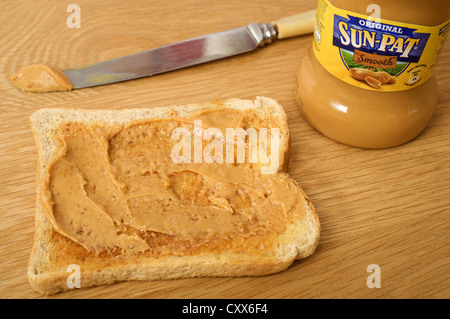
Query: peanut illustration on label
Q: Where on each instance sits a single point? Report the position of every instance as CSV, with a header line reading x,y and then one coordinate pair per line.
x,y
373,78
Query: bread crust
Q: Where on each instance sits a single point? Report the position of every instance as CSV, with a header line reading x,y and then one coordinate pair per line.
x,y
52,252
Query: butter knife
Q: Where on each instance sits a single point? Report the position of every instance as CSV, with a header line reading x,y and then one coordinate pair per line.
x,y
191,52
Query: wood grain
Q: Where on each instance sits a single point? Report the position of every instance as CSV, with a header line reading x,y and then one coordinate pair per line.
x,y
387,207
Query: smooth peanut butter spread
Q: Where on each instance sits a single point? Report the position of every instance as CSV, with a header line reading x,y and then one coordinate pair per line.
x,y
116,190
367,79
41,78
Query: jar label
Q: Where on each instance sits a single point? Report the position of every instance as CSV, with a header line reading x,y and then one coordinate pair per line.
x,y
374,53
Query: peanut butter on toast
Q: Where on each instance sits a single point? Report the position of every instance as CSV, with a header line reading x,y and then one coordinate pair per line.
x,y
197,190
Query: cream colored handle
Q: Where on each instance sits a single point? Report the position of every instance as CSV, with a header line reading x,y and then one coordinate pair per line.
x,y
299,24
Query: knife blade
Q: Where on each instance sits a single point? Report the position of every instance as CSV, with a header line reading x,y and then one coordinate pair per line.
x,y
190,52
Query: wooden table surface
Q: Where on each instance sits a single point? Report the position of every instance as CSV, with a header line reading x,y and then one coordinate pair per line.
x,y
386,207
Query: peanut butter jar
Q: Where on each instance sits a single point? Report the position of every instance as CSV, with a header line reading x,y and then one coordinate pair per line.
x,y
367,81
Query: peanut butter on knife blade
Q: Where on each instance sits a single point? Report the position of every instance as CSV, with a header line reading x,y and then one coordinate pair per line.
x,y
210,47
41,78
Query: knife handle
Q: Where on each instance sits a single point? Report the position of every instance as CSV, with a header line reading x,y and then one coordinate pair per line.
x,y
299,24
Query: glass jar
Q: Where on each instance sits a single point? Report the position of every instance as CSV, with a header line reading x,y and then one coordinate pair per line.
x,y
369,113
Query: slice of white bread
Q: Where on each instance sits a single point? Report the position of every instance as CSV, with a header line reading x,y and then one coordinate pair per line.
x,y
53,253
